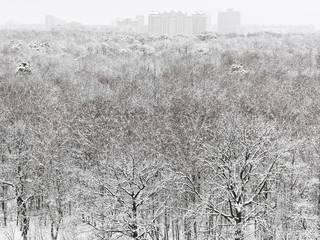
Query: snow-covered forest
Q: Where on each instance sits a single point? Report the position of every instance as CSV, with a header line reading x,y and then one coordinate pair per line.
x,y
106,136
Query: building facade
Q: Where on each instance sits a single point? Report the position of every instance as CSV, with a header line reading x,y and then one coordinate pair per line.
x,y
50,22
155,23
199,22
176,22
131,25
229,22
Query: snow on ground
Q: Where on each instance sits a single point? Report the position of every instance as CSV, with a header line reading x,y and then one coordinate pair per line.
x,y
39,231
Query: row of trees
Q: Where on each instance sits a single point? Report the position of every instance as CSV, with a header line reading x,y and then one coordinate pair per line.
x,y
166,144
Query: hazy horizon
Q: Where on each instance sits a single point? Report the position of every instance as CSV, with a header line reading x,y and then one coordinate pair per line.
x,y
98,12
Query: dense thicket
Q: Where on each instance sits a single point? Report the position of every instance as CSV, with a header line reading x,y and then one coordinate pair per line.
x,y
140,137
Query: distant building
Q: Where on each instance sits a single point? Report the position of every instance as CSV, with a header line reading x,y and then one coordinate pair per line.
x,y
279,29
199,23
52,22
173,23
49,22
73,26
131,25
10,25
284,29
140,24
155,23
176,22
127,25
229,22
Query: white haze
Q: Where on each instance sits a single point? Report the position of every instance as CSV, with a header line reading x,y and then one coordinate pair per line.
x,y
265,12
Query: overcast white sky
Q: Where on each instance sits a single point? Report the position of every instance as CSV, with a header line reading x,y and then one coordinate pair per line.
x,y
295,12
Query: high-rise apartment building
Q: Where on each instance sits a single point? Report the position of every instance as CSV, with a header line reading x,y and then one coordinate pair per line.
x,y
229,22
174,23
140,24
50,22
131,25
199,22
169,23
155,23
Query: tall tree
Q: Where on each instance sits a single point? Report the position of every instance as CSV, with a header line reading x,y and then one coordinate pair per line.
x,y
239,166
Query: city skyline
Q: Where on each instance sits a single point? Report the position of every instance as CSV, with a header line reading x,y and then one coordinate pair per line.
x,y
97,12
173,23
177,22
210,26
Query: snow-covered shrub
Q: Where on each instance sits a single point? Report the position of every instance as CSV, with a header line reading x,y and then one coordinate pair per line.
x,y
24,67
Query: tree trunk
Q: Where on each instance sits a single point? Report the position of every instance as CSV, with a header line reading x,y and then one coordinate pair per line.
x,y
195,230
210,225
187,230
319,204
196,181
54,230
166,225
239,233
133,226
177,230
4,205
173,229
24,220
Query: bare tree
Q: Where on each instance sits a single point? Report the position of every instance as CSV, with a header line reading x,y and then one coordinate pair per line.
x,y
239,167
